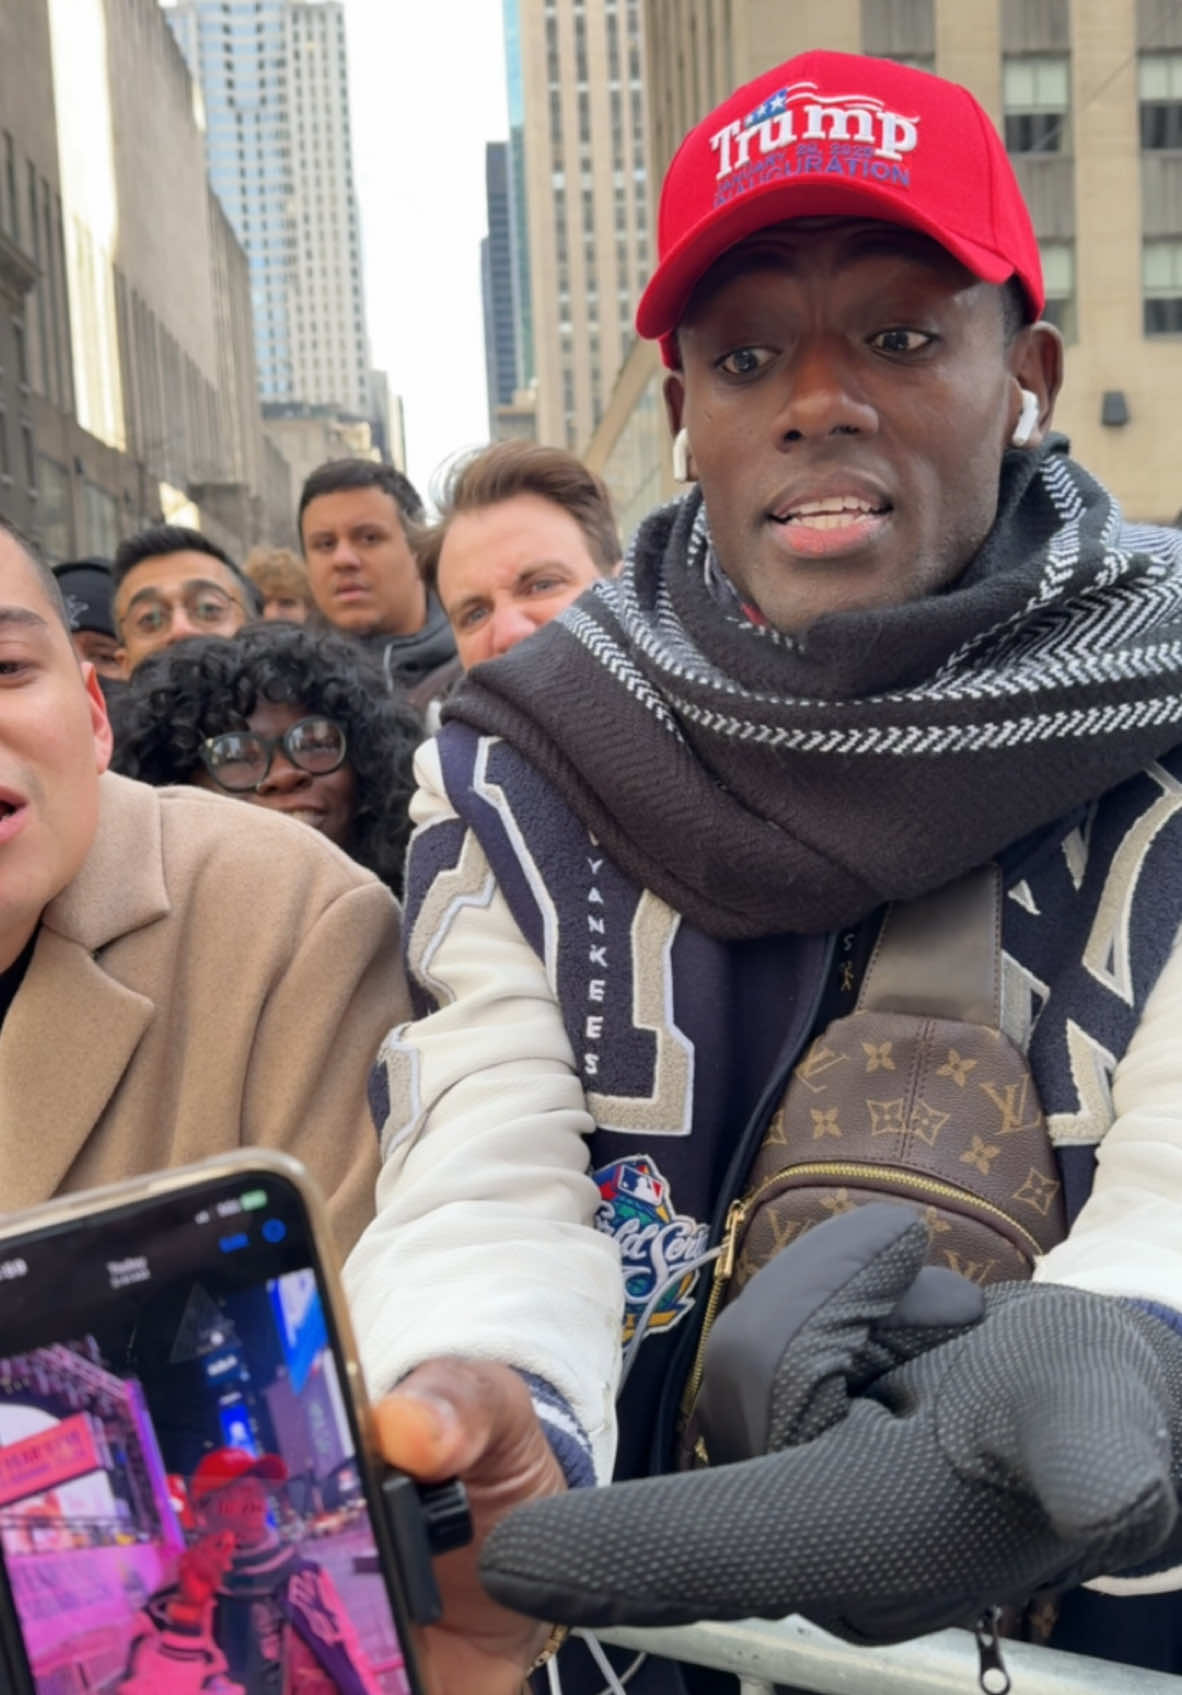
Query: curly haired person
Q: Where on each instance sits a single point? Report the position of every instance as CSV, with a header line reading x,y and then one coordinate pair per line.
x,y
292,719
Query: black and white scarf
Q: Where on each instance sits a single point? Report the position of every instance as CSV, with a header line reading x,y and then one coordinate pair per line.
x,y
760,782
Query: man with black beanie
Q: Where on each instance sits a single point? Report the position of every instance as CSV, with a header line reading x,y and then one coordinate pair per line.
x,y
88,589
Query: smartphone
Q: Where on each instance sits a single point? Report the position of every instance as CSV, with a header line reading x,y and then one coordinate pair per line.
x,y
188,1497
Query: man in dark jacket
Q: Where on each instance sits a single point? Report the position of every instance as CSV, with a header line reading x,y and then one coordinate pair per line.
x,y
365,581
893,635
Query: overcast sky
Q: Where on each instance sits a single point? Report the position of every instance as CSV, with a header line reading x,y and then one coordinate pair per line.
x,y
427,90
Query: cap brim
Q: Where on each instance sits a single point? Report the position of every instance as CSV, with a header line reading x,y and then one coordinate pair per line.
x,y
269,1467
683,267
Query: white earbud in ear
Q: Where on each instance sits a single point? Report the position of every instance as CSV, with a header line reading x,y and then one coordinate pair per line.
x,y
681,456
1027,419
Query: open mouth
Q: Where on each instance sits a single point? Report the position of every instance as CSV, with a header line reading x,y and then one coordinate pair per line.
x,y
832,512
829,526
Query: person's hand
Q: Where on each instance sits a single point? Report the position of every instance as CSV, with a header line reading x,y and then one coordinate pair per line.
x,y
934,1451
200,1570
474,1420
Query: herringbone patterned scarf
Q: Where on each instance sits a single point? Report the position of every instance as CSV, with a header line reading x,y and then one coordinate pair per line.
x,y
763,783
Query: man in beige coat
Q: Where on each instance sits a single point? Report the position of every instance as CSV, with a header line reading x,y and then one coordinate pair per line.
x,y
179,974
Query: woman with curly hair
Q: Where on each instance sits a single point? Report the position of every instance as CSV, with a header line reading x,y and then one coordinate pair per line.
x,y
294,719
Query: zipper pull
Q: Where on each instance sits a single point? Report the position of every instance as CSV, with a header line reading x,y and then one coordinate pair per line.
x,y
724,1265
992,1675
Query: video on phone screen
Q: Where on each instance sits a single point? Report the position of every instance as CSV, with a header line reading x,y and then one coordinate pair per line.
x,y
180,1504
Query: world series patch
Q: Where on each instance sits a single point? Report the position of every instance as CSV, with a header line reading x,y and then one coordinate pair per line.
x,y
655,1242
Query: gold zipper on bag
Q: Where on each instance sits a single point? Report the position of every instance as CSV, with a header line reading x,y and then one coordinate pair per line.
x,y
738,1211
904,1179
724,1267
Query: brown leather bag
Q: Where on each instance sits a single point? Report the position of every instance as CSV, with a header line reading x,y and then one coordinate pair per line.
x,y
918,1096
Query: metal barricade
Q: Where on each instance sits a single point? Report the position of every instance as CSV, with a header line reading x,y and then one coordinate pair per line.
x,y
793,1653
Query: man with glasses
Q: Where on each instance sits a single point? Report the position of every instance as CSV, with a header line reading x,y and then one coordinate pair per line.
x,y
179,974
172,582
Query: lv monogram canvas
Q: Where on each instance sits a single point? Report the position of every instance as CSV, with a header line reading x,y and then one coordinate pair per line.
x,y
916,1096
937,1112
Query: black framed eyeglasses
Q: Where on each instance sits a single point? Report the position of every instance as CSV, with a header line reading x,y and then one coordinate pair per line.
x,y
239,760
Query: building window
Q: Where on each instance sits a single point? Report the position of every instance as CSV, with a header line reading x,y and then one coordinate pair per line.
x,y
1160,77
1036,97
11,222
53,507
1058,270
1161,283
30,459
22,353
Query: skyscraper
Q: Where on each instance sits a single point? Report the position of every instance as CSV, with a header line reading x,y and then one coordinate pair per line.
x,y
275,86
518,212
496,276
127,366
582,80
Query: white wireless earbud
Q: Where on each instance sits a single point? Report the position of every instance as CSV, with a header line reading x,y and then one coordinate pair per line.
x,y
681,456
1027,419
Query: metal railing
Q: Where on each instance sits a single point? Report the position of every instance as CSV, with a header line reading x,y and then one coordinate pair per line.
x,y
798,1654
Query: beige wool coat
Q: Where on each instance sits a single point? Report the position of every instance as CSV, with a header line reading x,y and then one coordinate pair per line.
x,y
216,976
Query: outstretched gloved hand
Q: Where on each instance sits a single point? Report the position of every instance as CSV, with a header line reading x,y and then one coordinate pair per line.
x,y
926,1450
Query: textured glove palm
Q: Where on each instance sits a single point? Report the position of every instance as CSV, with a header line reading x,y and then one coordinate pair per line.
x,y
926,1451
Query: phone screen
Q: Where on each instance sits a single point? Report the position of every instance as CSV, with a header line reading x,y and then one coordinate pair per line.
x,y
181,1503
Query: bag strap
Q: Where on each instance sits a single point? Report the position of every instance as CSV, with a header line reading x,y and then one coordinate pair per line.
x,y
940,956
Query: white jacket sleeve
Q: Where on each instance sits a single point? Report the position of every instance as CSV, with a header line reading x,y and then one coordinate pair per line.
x,y
484,1242
1127,1240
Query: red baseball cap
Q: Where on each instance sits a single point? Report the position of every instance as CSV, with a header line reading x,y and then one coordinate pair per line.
x,y
839,135
217,1470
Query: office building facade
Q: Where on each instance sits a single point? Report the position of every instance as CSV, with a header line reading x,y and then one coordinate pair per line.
x,y
581,70
127,362
1088,96
274,82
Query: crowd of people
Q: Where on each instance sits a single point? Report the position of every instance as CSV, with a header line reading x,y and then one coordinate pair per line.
x,y
305,684
827,851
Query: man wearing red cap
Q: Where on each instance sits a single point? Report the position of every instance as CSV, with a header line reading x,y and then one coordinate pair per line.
x,y
893,641
249,1615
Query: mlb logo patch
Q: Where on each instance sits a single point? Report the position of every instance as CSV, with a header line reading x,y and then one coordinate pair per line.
x,y
658,1246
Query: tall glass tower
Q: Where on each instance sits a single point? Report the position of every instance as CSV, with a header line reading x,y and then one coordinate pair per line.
x,y
518,220
496,270
274,82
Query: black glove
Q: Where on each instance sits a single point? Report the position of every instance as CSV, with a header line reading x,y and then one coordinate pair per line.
x,y
937,1450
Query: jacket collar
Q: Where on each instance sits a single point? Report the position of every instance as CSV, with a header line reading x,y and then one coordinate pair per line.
x,y
121,885
72,1030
